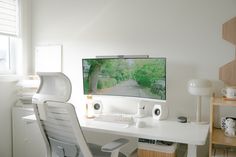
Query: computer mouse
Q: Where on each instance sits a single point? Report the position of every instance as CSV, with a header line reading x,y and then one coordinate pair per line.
x,y
182,119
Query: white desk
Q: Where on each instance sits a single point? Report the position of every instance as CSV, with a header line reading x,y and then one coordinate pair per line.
x,y
173,131
188,133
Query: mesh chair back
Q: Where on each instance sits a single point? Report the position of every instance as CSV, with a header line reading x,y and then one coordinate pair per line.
x,y
62,130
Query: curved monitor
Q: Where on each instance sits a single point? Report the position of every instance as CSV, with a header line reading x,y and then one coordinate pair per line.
x,y
131,77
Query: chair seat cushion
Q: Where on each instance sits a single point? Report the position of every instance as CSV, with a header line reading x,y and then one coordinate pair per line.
x,y
96,151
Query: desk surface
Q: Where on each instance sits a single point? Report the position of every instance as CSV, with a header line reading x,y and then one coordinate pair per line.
x,y
160,130
188,133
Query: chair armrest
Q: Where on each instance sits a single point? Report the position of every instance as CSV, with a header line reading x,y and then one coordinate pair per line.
x,y
114,145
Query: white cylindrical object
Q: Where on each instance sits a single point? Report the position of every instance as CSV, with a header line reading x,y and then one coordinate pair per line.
x,y
141,112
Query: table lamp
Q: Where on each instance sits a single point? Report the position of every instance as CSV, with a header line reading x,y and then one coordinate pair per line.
x,y
199,88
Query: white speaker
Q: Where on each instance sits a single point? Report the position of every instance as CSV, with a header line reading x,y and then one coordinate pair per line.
x,y
97,106
160,111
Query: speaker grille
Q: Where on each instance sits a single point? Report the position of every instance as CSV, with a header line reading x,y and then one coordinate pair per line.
x,y
96,106
157,112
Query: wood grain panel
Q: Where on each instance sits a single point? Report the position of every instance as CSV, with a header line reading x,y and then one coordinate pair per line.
x,y
218,137
149,153
229,31
227,73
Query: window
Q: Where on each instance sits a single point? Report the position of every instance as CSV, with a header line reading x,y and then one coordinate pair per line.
x,y
9,28
4,53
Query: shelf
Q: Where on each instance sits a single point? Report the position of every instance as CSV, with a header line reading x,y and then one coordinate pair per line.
x,y
220,101
219,137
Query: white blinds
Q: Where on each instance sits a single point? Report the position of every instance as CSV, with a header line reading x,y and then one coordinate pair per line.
x,y
9,17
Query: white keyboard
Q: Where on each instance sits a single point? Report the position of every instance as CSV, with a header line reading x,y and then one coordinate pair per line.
x,y
115,118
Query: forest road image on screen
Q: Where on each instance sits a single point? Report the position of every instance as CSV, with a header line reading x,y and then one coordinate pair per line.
x,y
135,77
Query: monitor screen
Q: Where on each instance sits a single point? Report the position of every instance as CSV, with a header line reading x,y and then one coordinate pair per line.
x,y
132,77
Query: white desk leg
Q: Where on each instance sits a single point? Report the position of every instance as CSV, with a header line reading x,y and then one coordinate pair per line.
x,y
192,150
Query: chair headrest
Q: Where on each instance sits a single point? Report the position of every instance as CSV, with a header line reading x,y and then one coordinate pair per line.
x,y
54,86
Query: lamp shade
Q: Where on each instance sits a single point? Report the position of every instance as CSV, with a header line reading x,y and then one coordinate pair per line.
x,y
199,87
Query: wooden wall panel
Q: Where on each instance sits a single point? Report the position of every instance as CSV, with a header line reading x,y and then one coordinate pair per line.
x,y
149,153
229,31
227,73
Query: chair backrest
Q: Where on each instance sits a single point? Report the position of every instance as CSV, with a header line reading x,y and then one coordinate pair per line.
x,y
53,86
57,119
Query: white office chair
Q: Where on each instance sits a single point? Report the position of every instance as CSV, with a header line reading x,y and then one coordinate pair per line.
x,y
59,125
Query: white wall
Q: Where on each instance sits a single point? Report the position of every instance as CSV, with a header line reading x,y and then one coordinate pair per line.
x,y
24,67
187,32
7,100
